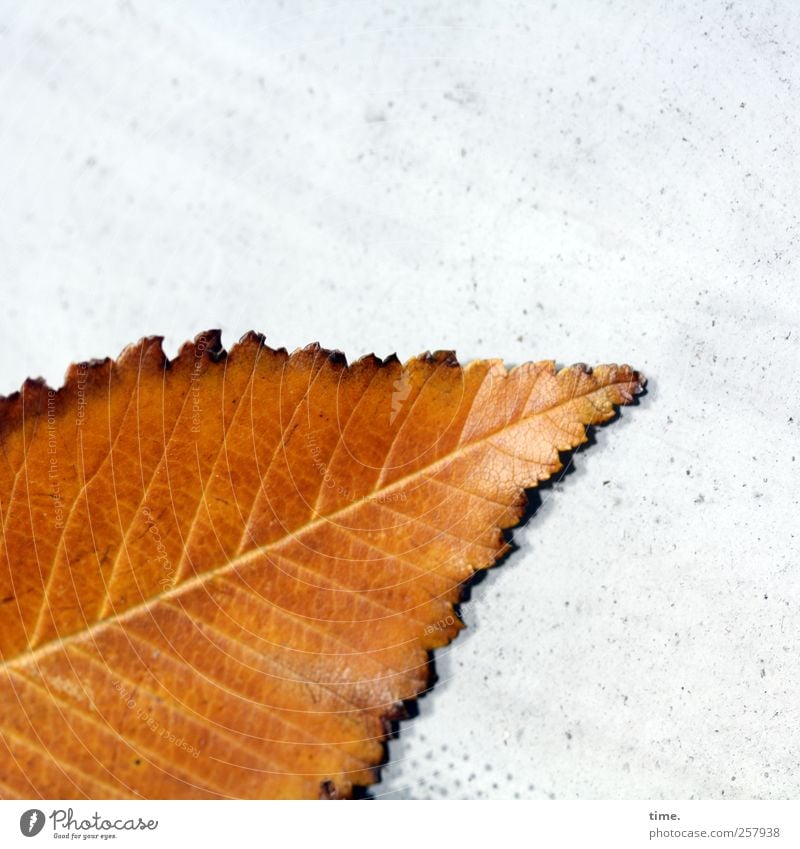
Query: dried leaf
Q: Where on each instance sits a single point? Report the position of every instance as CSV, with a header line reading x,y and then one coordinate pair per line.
x,y
222,575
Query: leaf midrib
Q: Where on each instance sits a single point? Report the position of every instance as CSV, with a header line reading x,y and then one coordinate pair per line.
x,y
26,657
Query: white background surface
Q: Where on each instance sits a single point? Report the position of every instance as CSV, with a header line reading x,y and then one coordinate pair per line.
x,y
579,181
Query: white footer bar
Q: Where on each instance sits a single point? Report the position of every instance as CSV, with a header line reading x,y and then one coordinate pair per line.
x,y
404,825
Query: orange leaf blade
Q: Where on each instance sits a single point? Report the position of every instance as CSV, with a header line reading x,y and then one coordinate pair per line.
x,y
222,575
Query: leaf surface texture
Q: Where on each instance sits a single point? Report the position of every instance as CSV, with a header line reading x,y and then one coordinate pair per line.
x,y
222,575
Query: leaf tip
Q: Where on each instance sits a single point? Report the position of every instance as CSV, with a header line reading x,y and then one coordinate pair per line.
x,y
441,358
337,358
210,342
252,337
328,790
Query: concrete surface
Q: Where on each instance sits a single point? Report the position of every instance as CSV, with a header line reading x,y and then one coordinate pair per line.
x,y
580,181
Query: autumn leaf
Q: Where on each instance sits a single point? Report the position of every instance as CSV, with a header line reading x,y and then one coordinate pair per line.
x,y
223,575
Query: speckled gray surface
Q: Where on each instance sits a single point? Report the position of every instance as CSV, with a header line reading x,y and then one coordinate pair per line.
x,y
587,182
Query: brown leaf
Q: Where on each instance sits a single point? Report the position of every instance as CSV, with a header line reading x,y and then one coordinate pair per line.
x,y
222,575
